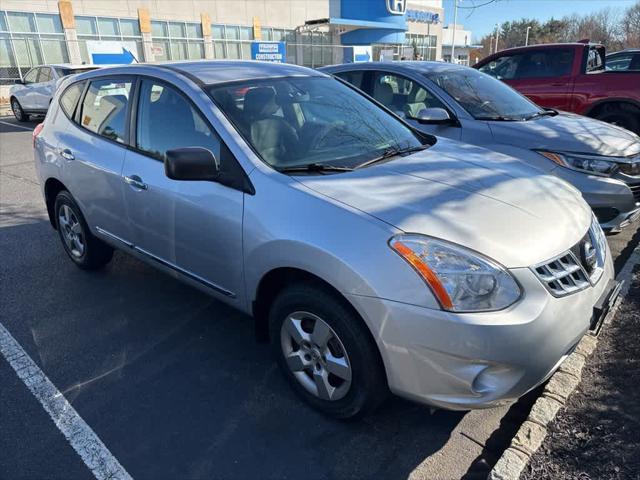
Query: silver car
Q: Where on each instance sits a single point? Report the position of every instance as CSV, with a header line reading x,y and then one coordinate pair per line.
x,y
32,94
376,258
600,159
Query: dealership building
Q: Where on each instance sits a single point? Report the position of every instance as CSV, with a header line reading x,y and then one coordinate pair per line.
x,y
315,32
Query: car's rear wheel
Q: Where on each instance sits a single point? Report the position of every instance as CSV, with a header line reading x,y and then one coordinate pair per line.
x,y
18,112
85,250
326,352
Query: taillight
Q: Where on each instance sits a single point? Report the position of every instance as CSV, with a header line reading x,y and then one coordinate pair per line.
x,y
36,132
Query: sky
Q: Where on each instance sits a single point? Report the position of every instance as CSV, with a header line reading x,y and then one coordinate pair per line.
x,y
482,20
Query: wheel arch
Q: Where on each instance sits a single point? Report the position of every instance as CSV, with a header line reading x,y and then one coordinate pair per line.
x,y
600,104
52,187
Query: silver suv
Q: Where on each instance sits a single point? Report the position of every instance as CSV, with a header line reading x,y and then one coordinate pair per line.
x,y
375,257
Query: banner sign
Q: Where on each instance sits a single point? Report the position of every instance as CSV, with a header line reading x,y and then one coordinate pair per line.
x,y
269,51
111,52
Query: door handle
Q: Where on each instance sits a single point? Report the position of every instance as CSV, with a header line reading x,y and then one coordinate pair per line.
x,y
66,154
135,181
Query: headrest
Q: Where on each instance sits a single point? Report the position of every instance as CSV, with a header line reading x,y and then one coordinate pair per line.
x,y
417,94
117,101
384,93
260,102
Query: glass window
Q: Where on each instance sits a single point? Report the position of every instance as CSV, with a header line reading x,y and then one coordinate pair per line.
x,y
86,26
49,23
166,121
218,50
178,50
595,59
194,30
297,121
177,30
21,22
32,75
402,95
3,23
232,33
54,50
217,31
483,96
534,64
196,51
159,29
44,75
104,108
354,78
130,27
70,97
246,33
108,26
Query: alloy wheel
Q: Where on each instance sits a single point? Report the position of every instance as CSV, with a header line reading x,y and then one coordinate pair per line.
x,y
17,110
71,231
315,355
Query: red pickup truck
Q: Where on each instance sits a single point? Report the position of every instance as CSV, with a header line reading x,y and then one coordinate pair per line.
x,y
570,77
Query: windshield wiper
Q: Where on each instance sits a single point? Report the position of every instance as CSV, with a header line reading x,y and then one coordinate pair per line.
x,y
313,168
392,152
542,113
498,118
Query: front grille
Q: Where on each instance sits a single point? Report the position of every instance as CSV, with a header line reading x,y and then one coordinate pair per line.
x,y
635,189
577,268
563,275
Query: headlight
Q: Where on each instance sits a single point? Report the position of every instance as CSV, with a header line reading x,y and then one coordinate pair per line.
x,y
585,163
461,280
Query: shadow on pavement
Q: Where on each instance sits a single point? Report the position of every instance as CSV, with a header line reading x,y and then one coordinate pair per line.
x,y
173,381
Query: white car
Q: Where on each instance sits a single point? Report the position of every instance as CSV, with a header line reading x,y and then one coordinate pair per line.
x,y
33,93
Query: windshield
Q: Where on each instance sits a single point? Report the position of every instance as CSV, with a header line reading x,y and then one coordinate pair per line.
x,y
484,97
301,121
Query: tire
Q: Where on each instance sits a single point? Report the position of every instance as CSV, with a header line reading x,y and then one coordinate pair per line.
x,y
625,116
18,112
85,250
360,383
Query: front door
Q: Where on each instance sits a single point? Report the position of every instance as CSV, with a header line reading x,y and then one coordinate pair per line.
x,y
193,227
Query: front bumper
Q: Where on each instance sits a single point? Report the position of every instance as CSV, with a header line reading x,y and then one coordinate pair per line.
x,y
611,199
479,360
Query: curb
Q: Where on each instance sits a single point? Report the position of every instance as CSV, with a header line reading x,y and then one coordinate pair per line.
x,y
562,383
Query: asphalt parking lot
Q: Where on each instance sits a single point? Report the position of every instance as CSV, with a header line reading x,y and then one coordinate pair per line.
x,y
174,383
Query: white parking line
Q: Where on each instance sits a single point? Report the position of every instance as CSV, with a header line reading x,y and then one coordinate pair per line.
x,y
17,126
85,442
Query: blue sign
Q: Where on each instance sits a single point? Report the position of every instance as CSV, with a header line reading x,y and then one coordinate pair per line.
x,y
123,57
422,17
269,51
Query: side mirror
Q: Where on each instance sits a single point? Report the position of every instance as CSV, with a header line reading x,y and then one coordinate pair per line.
x,y
436,116
19,81
191,163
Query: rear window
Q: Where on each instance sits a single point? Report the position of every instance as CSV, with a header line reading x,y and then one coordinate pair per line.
x,y
69,99
63,72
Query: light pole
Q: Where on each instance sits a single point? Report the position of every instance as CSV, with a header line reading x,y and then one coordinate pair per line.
x,y
526,40
497,36
455,27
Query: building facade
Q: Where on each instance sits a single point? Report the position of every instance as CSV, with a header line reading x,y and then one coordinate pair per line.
x,y
316,32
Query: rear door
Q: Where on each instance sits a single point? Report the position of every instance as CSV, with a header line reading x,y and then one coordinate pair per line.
x,y
543,75
193,227
26,95
92,155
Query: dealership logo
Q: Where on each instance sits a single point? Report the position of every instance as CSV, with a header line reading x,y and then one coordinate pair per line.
x,y
397,7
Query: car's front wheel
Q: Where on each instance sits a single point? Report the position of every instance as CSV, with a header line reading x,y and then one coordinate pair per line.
x,y
18,112
326,352
86,251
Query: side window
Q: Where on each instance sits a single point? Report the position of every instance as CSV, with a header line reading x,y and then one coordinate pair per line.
x,y
595,60
503,68
32,76
166,121
45,75
545,63
104,108
403,96
354,78
70,97
619,62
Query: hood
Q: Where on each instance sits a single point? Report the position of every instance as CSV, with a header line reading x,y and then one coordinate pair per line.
x,y
567,132
483,200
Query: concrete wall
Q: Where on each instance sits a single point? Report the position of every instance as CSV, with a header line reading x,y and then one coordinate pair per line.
x,y
272,13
